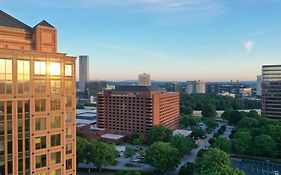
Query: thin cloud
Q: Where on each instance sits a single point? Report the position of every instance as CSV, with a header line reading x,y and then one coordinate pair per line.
x,y
249,45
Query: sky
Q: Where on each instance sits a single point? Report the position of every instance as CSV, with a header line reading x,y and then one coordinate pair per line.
x,y
173,40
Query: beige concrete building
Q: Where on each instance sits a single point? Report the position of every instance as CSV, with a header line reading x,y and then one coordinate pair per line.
x,y
37,101
198,87
144,79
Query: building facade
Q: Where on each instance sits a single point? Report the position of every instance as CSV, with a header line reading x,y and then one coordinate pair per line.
x,y
259,85
271,91
83,72
198,87
144,80
37,101
130,109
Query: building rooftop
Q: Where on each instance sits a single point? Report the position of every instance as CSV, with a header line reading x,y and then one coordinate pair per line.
x,y
112,136
7,20
137,88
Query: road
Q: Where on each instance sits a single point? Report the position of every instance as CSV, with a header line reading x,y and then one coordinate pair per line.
x,y
202,144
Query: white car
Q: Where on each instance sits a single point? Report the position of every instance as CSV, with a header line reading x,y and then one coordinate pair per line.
x,y
276,173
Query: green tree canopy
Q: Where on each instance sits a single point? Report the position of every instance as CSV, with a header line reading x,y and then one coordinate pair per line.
x,y
162,156
210,122
223,144
159,133
209,110
189,121
198,133
264,145
183,144
81,153
101,154
129,151
242,142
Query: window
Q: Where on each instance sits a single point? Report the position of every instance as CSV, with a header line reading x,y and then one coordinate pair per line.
x,y
55,158
68,117
54,68
5,76
2,147
55,122
68,133
42,173
39,67
68,70
55,86
68,85
40,161
40,124
40,105
68,164
40,142
55,104
68,149
40,86
55,140
23,76
68,102
56,172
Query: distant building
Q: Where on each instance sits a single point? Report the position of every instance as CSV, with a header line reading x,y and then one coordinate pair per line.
x,y
259,85
128,109
144,80
271,91
228,87
247,92
83,73
198,87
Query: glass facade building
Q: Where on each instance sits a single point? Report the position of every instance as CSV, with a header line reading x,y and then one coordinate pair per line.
x,y
37,98
271,91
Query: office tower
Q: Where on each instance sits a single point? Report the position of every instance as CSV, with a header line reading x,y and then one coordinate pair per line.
x,y
198,87
144,80
83,72
137,108
37,101
271,91
259,85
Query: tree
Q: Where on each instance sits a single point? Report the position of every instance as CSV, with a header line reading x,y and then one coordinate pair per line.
x,y
101,154
186,110
210,123
129,151
226,114
198,133
215,162
187,169
162,156
159,133
253,114
242,143
81,153
212,158
222,144
189,121
235,117
128,172
209,110
137,138
79,106
264,146
183,144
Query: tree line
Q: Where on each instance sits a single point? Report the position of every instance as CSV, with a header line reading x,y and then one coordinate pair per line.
x,y
200,101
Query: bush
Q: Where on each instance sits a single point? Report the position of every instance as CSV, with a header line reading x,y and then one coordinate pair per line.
x,y
128,172
212,141
201,152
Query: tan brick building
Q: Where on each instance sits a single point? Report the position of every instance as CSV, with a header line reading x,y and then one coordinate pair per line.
x,y
37,101
137,108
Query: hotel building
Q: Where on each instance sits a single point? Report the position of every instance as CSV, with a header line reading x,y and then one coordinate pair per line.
x,y
198,87
144,80
271,91
37,101
130,109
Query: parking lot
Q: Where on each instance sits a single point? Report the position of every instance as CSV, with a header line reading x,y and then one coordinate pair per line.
x,y
252,167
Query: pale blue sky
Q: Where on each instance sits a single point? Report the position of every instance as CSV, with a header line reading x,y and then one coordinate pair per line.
x,y
211,40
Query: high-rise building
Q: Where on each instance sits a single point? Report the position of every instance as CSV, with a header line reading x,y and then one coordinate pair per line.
x,y
198,87
144,79
83,72
259,85
128,109
37,101
271,91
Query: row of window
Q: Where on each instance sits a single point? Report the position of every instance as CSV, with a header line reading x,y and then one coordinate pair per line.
x,y
55,104
41,160
40,123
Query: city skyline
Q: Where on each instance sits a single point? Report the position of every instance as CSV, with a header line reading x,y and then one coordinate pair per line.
x,y
210,40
